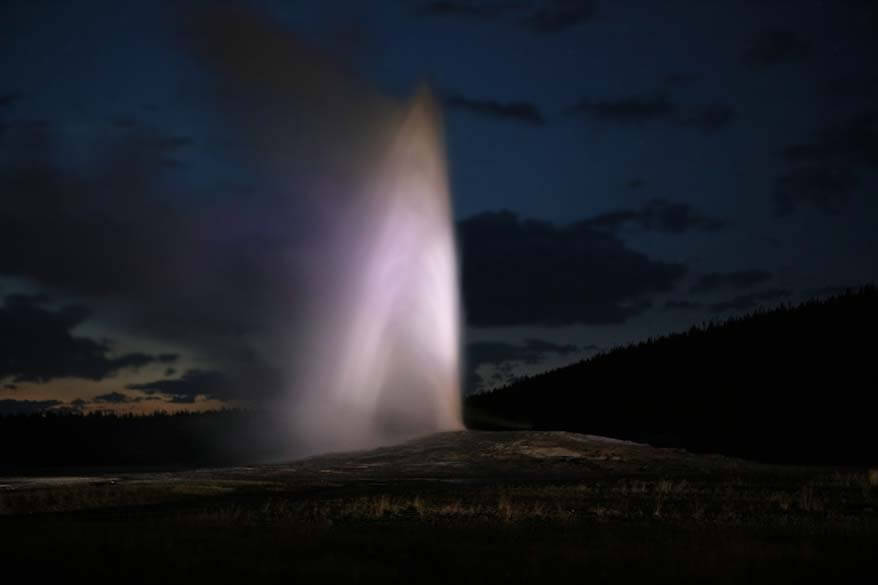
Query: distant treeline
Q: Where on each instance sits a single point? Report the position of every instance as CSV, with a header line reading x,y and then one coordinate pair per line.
x,y
793,384
57,439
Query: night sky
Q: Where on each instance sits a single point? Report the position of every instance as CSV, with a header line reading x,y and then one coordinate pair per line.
x,y
619,170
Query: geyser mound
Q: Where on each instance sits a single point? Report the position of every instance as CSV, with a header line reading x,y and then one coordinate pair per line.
x,y
385,362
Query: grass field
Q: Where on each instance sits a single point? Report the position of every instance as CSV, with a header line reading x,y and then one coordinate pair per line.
x,y
461,507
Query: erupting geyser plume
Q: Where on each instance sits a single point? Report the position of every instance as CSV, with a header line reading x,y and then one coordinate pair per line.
x,y
365,327
387,364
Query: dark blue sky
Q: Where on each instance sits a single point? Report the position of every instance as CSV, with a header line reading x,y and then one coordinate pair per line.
x,y
658,163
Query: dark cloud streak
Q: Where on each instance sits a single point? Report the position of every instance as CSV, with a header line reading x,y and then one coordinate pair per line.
x,y
852,141
739,279
852,86
538,16
777,46
641,109
7,100
464,8
680,79
635,109
553,16
750,301
826,188
37,344
682,305
709,118
515,111
56,221
523,271
116,398
195,383
657,215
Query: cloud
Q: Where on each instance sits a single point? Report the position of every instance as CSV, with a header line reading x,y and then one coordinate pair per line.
x,y
776,46
709,118
552,16
532,351
195,383
633,109
825,174
750,301
853,141
682,79
539,16
739,279
830,291
657,215
124,122
826,188
7,100
682,305
516,111
116,398
9,406
37,344
91,230
851,86
465,8
523,271
173,142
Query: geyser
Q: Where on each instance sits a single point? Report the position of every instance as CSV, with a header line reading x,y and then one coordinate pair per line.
x,y
357,307
384,358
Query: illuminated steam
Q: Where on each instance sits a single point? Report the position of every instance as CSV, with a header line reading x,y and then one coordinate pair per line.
x,y
386,361
358,309
388,339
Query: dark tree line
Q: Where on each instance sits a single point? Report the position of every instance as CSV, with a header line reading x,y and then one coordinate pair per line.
x,y
59,439
793,384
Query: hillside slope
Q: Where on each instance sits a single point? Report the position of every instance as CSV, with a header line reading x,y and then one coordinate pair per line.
x,y
792,385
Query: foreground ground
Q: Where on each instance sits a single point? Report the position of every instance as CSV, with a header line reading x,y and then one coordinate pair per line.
x,y
468,506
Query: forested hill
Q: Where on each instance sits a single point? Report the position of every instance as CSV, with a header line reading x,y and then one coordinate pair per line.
x,y
792,384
